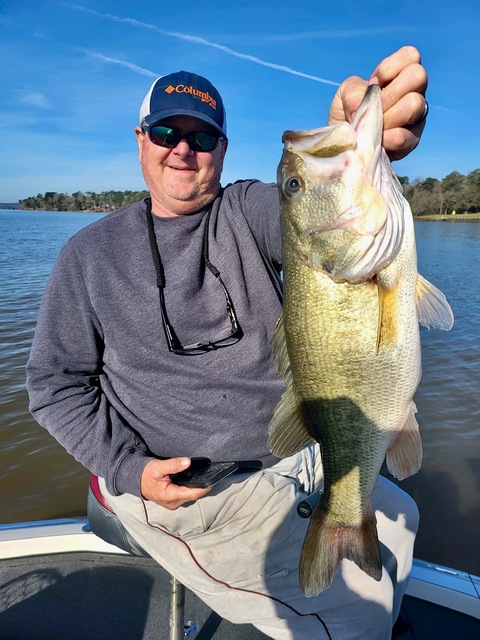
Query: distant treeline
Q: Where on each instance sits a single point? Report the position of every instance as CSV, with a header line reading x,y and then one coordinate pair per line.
x,y
455,193
78,201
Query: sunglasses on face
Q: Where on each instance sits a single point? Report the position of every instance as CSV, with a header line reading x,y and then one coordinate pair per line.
x,y
168,137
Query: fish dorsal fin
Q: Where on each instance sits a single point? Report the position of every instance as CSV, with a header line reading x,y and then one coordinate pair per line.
x,y
287,433
404,457
433,309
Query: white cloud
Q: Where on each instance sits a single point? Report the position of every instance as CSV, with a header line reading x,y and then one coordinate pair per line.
x,y
36,99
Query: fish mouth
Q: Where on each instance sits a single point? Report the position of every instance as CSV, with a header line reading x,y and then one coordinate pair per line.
x,y
356,219
323,142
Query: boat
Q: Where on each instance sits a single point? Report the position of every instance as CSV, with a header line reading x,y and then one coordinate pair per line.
x,y
62,581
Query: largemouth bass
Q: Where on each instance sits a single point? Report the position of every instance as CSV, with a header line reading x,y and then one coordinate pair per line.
x,y
348,341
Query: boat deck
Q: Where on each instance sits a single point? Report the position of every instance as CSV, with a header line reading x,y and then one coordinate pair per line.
x,y
59,581
97,596
94,596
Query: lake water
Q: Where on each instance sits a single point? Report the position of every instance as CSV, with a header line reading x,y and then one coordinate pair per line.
x,y
38,480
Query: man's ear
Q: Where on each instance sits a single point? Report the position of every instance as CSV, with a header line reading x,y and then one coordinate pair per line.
x,y
140,135
224,150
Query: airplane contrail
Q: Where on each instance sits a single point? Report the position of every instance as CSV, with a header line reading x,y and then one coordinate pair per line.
x,y
204,42
123,63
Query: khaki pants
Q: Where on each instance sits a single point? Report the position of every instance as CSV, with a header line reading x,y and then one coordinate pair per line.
x,y
238,549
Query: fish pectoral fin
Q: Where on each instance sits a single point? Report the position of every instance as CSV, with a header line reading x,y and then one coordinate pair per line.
x,y
327,544
287,433
280,348
404,457
388,313
433,309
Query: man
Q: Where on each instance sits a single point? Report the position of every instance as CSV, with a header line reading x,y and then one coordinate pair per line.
x,y
153,346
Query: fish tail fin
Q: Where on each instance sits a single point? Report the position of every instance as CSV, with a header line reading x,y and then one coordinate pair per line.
x,y
326,545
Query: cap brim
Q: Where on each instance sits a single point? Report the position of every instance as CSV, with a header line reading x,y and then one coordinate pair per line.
x,y
158,116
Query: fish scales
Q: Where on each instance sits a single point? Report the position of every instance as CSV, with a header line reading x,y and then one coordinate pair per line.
x,y
348,341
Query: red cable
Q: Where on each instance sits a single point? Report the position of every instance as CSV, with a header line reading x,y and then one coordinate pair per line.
x,y
229,586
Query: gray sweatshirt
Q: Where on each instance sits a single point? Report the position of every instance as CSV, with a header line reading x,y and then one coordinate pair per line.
x,y
100,376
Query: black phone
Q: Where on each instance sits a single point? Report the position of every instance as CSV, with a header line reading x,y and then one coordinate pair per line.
x,y
203,473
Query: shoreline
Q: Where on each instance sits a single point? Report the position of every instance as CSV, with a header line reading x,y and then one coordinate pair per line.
x,y
433,217
461,217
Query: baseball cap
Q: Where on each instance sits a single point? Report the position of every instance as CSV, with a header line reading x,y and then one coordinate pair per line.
x,y
184,94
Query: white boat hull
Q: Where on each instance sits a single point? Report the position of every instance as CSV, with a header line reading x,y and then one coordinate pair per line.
x,y
433,583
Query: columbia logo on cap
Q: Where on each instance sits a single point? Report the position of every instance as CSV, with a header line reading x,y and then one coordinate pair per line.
x,y
203,95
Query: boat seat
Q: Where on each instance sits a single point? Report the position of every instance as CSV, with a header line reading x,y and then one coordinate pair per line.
x,y
106,525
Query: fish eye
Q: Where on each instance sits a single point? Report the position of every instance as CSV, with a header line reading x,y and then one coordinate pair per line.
x,y
292,185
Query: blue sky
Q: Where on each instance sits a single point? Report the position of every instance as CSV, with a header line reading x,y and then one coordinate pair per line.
x,y
73,76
